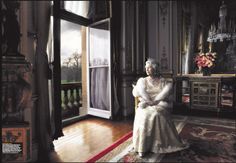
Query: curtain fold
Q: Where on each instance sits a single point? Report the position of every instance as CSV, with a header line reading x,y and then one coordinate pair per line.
x,y
50,81
100,88
43,125
115,45
98,10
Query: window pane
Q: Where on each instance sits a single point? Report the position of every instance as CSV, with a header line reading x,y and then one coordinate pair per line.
x,y
99,59
77,7
71,51
99,42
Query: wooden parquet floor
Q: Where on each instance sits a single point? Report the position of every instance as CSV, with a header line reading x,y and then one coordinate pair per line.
x,y
86,138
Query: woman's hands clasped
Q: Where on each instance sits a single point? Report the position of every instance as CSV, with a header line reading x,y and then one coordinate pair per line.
x,y
144,104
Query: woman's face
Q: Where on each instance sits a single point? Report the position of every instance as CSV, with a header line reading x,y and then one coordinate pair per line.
x,y
149,70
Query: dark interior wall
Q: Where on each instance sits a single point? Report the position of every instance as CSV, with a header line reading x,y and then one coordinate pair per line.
x,y
133,50
152,29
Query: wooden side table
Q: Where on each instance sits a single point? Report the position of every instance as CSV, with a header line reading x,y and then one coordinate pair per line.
x,y
215,93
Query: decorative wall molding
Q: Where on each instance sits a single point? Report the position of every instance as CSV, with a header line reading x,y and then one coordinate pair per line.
x,y
141,36
129,40
164,60
164,36
163,6
162,31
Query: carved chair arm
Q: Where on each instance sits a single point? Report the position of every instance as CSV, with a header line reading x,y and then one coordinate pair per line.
x,y
136,101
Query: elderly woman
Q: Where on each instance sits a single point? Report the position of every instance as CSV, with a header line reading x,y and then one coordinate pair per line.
x,y
154,131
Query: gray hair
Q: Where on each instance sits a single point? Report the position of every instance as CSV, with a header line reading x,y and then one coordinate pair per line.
x,y
151,62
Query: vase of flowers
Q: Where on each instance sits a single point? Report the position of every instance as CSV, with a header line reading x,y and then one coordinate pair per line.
x,y
206,71
205,62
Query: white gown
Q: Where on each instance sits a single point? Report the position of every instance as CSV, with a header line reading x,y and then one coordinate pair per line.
x,y
154,130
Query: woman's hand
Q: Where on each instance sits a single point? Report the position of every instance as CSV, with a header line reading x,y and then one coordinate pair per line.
x,y
144,104
152,103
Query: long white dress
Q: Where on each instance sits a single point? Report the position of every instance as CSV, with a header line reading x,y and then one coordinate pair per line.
x,y
154,130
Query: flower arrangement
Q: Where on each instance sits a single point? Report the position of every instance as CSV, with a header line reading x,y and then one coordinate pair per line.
x,y
205,60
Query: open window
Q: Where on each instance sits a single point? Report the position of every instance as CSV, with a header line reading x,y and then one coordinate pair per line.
x,y
81,59
99,69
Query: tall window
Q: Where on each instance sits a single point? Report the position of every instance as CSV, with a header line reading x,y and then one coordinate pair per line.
x,y
69,22
70,87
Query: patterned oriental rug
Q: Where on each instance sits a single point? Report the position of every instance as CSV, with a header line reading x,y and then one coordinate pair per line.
x,y
211,140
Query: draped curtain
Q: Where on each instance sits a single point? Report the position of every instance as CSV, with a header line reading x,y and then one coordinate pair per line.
x,y
44,129
115,45
50,81
99,10
100,88
190,33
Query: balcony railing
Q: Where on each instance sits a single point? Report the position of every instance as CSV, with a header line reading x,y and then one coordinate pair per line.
x,y
71,95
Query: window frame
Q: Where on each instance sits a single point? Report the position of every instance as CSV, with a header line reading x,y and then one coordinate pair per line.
x,y
59,13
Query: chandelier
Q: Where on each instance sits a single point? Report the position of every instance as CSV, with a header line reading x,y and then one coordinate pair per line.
x,y
223,31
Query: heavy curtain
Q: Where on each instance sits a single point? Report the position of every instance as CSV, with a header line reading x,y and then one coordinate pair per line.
x,y
100,88
99,10
115,45
44,132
